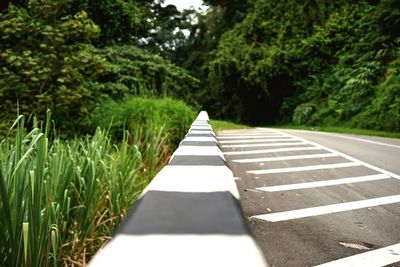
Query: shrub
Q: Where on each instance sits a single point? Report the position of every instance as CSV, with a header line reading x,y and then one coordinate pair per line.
x,y
55,66
174,116
134,71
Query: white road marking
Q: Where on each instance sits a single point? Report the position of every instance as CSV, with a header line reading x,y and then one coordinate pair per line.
x,y
255,140
349,180
309,156
315,211
378,257
251,137
264,145
368,141
262,151
306,168
370,166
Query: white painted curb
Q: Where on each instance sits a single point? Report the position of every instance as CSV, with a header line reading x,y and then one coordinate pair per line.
x,y
189,215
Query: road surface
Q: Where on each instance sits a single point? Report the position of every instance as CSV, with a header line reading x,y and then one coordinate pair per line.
x,y
314,198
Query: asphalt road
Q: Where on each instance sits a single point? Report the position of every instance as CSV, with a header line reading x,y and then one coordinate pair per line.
x,y
314,198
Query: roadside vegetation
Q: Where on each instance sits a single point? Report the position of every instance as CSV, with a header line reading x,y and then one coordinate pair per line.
x,y
125,79
308,63
61,200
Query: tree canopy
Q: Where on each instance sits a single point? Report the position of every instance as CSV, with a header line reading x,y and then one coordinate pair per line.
x,y
309,62
255,61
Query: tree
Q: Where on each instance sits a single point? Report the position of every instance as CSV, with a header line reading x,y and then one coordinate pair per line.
x,y
47,62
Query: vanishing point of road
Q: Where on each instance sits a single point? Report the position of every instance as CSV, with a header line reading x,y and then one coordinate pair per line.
x,y
318,199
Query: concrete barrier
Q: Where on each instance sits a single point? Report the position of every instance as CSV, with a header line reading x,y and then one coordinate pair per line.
x,y
189,215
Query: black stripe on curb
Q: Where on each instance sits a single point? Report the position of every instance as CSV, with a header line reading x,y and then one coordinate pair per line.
x,y
163,212
194,160
199,135
198,143
205,130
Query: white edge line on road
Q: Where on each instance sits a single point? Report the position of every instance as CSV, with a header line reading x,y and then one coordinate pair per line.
x,y
370,166
374,258
262,151
315,211
278,188
355,138
308,156
264,145
367,141
306,168
254,141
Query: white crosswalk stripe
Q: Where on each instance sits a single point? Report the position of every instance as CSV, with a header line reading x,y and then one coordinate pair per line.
x,y
375,258
349,180
264,151
315,211
252,137
309,156
264,145
255,140
306,168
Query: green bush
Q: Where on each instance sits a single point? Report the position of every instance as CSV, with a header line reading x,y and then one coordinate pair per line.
x,y
174,116
134,71
384,111
302,113
56,66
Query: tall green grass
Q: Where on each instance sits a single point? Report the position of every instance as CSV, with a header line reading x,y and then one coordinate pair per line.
x,y
173,115
60,201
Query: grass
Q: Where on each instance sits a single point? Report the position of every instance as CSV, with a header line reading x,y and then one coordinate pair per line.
x,y
62,200
226,125
334,129
171,114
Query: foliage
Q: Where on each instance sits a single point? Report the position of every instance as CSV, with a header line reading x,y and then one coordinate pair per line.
x,y
45,63
384,111
133,71
54,66
316,62
120,21
303,112
174,116
62,200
